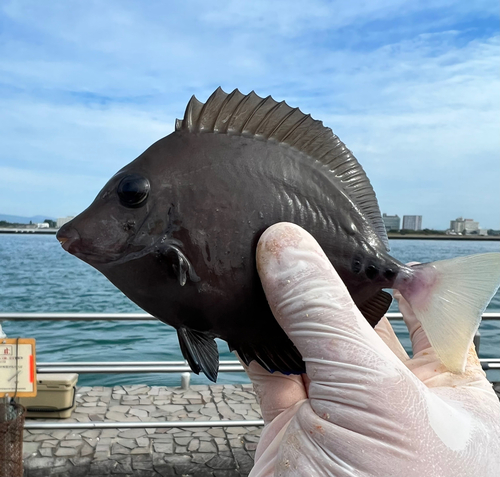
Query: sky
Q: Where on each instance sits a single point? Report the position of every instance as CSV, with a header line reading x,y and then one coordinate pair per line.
x,y
411,87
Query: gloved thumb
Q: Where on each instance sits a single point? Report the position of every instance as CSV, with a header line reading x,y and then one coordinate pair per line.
x,y
313,306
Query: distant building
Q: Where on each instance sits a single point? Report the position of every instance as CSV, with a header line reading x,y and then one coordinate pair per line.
x,y
42,225
464,226
63,220
471,226
412,222
457,225
391,222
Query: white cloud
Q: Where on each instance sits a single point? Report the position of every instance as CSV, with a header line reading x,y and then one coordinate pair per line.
x,y
74,136
292,18
411,87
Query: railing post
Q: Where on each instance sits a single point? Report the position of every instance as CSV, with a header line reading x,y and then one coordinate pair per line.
x,y
185,379
477,341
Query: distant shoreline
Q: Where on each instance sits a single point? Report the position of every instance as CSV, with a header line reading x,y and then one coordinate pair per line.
x,y
491,238
17,230
443,237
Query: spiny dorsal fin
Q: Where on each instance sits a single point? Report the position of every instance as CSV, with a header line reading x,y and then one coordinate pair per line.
x,y
265,118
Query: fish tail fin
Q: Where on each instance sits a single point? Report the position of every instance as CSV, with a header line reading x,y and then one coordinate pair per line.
x,y
448,298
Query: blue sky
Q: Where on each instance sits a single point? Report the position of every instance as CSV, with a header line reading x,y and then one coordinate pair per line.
x,y
411,87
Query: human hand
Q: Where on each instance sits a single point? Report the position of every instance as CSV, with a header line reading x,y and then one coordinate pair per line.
x,y
364,408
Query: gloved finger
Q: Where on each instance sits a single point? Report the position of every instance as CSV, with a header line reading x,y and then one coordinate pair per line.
x,y
419,341
313,306
386,332
275,392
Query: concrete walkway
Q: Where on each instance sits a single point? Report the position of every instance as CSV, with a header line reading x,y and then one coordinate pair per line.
x,y
201,452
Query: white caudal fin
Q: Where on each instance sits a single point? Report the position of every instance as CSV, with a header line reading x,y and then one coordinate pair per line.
x,y
449,297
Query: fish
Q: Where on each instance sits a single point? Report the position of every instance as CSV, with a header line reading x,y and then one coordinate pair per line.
x,y
176,230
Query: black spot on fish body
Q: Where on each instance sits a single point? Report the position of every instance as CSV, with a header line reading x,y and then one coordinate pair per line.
x,y
356,265
371,271
390,273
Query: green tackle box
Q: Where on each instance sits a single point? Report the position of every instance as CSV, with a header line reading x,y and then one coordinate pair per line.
x,y
56,396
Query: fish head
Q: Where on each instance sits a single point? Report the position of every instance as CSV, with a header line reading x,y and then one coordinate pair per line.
x,y
122,222
146,232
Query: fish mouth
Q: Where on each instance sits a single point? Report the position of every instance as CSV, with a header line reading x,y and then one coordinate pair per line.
x,y
115,254
98,249
71,241
68,237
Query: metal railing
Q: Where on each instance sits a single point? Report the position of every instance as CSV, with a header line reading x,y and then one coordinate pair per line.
x,y
127,367
135,316
149,367
104,367
140,424
139,316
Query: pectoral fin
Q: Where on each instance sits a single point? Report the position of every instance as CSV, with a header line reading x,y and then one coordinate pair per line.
x,y
181,266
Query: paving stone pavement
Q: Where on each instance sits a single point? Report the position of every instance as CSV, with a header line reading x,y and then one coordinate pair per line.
x,y
200,452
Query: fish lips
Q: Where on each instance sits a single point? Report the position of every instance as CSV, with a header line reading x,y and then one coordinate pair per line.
x,y
68,238
71,241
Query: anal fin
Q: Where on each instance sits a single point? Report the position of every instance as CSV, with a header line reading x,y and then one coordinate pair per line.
x,y
200,351
376,307
279,355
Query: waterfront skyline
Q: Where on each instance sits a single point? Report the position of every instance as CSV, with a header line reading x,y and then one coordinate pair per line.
x,y
388,219
411,89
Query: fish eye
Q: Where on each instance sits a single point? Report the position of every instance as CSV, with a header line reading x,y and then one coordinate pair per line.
x,y
133,190
356,265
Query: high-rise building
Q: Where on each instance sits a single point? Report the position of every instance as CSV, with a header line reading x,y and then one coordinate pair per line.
x,y
464,226
412,222
391,222
457,225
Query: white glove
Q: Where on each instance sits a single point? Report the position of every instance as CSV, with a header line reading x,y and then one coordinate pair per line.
x,y
364,408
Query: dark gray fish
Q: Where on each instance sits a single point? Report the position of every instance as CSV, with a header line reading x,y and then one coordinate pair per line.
x,y
176,231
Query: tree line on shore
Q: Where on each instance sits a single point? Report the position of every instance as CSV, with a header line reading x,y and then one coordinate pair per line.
x,y
4,223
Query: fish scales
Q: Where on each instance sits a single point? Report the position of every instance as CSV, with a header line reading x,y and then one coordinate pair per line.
x,y
176,230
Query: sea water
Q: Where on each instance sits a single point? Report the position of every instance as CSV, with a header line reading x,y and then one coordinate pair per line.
x,y
38,276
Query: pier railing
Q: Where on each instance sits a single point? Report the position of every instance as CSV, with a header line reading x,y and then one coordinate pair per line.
x,y
152,367
106,367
